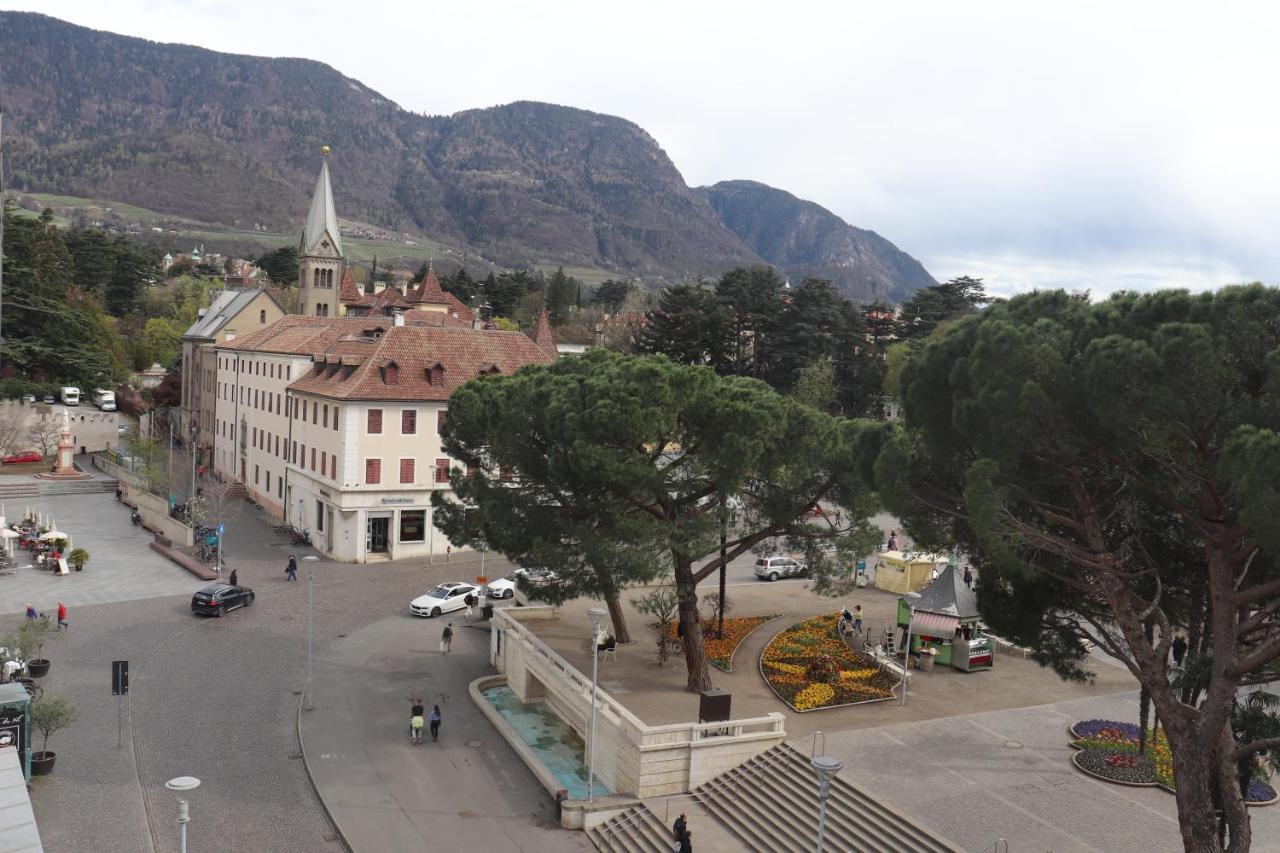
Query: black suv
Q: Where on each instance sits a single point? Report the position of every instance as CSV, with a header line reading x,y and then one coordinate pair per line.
x,y
215,599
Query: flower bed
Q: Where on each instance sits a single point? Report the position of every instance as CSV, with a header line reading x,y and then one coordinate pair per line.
x,y
720,650
1117,743
809,667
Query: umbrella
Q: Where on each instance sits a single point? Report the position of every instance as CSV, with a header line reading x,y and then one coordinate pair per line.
x,y
6,533
52,535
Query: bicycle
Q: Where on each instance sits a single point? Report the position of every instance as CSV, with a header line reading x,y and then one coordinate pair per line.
x,y
206,553
301,537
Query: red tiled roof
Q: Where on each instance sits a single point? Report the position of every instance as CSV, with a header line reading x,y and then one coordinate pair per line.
x,y
463,352
425,317
429,292
542,334
296,335
349,292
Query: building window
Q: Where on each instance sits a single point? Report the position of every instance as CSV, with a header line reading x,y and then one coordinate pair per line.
x,y
268,475
440,419
324,462
373,471
255,475
320,516
335,418
413,525
375,422
262,317
409,422
304,410
301,461
504,474
442,470
313,459
315,413
326,415
406,470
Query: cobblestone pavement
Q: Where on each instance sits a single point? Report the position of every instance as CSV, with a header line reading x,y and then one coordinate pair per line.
x,y
121,567
1008,775
212,698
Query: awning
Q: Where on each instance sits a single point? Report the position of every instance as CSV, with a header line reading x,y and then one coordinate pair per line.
x,y
934,625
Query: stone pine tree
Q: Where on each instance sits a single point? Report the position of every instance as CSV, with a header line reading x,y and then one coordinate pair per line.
x,y
620,466
1115,469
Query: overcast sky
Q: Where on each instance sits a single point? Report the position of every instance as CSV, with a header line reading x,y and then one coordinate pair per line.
x,y
1088,145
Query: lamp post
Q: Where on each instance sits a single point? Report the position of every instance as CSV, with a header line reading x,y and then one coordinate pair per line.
x,y
183,784
826,768
597,615
912,598
311,609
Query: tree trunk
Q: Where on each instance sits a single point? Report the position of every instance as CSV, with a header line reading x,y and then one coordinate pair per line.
x,y
617,616
695,655
1144,711
1195,765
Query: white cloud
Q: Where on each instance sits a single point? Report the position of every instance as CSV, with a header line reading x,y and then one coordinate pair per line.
x,y
1058,137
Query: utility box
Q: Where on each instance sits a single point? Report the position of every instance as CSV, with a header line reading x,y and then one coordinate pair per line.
x,y
15,723
714,706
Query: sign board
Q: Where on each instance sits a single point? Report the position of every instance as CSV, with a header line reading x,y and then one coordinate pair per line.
x,y
119,678
13,728
396,501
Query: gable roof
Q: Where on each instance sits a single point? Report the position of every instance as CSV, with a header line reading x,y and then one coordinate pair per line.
x,y
225,307
298,335
947,594
322,218
463,353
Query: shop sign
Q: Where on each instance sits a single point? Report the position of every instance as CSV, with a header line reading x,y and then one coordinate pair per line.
x,y
396,501
12,723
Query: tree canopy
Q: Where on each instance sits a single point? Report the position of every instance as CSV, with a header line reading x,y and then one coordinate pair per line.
x,y
1114,471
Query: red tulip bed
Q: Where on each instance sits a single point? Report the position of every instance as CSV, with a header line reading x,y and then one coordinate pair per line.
x,y
1108,749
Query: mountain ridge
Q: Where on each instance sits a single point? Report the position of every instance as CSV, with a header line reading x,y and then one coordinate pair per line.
x,y
235,139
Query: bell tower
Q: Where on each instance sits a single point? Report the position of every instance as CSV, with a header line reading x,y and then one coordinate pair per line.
x,y
320,251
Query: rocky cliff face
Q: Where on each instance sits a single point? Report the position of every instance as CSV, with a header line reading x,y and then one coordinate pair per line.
x,y
235,140
805,239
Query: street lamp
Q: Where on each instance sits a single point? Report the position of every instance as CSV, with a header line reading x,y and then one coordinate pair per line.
x,y
597,616
912,598
826,768
183,784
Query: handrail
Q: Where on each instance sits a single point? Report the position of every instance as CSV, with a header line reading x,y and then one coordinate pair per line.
x,y
616,824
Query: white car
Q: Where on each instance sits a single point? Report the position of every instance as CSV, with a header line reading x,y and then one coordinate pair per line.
x,y
506,587
772,568
445,598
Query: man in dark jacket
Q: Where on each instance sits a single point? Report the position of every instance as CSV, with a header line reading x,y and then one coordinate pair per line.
x,y
1179,650
686,843
679,828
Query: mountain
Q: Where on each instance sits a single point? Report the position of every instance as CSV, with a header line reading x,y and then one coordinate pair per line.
x,y
806,239
235,140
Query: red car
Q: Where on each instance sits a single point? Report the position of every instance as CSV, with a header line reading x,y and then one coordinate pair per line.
x,y
26,456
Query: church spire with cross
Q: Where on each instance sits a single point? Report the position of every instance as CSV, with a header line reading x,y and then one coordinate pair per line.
x,y
320,251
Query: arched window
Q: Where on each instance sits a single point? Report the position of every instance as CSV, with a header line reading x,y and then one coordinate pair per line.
x,y
315,278
262,316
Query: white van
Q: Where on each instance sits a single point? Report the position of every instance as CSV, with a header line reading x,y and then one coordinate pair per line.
x,y
104,399
70,395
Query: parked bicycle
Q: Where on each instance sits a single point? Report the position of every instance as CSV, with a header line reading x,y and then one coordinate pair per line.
x,y
301,537
206,553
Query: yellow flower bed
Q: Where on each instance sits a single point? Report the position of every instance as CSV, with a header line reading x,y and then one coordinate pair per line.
x,y
786,658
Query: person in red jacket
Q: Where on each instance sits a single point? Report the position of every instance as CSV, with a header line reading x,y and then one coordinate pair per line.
x,y
62,616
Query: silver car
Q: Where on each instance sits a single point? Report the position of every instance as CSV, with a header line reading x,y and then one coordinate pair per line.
x,y
772,568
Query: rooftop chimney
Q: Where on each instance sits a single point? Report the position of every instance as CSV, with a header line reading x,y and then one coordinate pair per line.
x,y
397,317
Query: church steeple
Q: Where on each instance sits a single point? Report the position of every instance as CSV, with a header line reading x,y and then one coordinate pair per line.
x,y
320,251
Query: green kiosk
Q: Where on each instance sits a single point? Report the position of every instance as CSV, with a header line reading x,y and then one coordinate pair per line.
x,y
944,627
15,723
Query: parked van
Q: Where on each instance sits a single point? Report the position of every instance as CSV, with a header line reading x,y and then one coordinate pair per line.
x,y
104,399
70,395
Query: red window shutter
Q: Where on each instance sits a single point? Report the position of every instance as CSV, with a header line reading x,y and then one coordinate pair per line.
x,y
406,470
302,457
375,421
471,471
504,474
335,418
373,470
313,459
440,419
442,470
409,421
333,466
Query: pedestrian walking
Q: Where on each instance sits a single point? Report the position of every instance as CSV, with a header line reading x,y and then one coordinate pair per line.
x,y
857,618
31,611
446,639
968,577
416,720
1179,650
471,603
234,579
893,541
678,828
291,570
62,616
435,723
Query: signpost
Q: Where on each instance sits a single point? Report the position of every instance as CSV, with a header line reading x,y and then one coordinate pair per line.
x,y
120,689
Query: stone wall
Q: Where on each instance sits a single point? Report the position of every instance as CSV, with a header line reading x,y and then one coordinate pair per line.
x,y
154,509
633,758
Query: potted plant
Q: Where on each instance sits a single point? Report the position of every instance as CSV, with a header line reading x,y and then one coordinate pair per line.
x,y
31,639
78,558
49,715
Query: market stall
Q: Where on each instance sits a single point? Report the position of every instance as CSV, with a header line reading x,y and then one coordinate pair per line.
x,y
944,626
906,571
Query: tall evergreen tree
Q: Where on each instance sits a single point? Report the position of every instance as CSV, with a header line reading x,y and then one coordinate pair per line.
x,y
689,325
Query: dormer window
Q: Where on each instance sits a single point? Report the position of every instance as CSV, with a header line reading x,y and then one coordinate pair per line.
x,y
390,373
435,374
489,370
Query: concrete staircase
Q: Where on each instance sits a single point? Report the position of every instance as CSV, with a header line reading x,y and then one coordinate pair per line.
x,y
41,488
770,804
637,830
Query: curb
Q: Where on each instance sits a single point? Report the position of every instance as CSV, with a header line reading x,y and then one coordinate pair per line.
x,y
306,764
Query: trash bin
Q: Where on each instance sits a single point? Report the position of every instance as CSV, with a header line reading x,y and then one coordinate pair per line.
x,y
486,612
